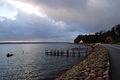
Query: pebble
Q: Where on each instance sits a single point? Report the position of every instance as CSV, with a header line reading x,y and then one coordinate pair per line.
x,y
100,70
105,76
106,72
86,73
100,65
92,75
99,78
92,65
92,71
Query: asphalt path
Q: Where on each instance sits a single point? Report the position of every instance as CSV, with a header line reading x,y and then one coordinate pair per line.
x,y
114,56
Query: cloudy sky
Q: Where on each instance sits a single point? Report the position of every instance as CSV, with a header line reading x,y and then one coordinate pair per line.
x,y
55,20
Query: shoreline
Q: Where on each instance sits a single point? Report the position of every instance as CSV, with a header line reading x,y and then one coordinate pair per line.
x,y
94,67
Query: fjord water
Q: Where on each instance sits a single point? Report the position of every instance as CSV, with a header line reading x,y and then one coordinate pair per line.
x,y
29,61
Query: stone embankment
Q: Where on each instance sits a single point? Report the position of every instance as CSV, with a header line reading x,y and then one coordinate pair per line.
x,y
94,67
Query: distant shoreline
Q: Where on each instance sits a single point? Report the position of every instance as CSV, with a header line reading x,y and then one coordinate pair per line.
x,y
31,42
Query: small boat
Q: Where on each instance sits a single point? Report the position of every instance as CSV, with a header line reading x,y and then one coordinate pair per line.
x,y
9,54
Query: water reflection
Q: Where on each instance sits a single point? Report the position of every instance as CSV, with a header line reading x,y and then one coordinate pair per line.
x,y
30,62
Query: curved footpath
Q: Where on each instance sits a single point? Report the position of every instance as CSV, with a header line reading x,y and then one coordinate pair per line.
x,y
94,67
114,55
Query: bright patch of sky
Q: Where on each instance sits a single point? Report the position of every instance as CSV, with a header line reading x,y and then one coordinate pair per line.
x,y
27,8
8,11
12,7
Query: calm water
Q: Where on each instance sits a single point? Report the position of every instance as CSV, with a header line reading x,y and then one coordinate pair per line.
x,y
29,61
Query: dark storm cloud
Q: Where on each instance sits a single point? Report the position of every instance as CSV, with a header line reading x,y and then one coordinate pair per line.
x,y
30,27
78,17
95,13
59,3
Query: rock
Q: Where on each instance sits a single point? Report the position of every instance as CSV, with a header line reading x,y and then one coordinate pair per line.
x,y
99,78
88,78
105,79
76,78
92,75
99,74
86,73
100,65
87,69
106,72
83,71
100,70
92,71
105,76
92,65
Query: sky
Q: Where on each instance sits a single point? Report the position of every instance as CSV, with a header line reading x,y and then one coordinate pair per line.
x,y
55,20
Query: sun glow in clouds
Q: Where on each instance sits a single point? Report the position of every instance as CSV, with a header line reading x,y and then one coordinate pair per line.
x,y
30,9
27,8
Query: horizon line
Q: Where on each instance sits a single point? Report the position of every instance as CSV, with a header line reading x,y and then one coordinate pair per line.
x,y
29,41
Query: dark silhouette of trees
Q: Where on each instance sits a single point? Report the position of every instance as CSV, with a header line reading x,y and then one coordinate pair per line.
x,y
101,36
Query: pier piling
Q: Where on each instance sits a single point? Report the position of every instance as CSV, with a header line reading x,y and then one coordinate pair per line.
x,y
54,52
86,51
51,52
67,51
79,52
62,52
57,52
46,51
73,53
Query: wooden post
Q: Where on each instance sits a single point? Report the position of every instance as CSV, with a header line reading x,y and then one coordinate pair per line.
x,y
46,51
54,52
61,52
51,52
67,51
79,52
82,49
57,52
73,53
86,51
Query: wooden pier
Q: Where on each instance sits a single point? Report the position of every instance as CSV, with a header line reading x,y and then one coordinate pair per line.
x,y
68,52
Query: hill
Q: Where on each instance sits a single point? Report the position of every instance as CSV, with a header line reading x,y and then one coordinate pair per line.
x,y
112,35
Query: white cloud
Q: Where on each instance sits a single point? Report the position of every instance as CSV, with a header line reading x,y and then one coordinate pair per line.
x,y
1,19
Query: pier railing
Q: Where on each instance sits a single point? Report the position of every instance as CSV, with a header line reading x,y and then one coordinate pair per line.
x,y
68,52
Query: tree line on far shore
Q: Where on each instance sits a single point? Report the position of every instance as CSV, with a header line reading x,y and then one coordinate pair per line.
x,y
112,35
